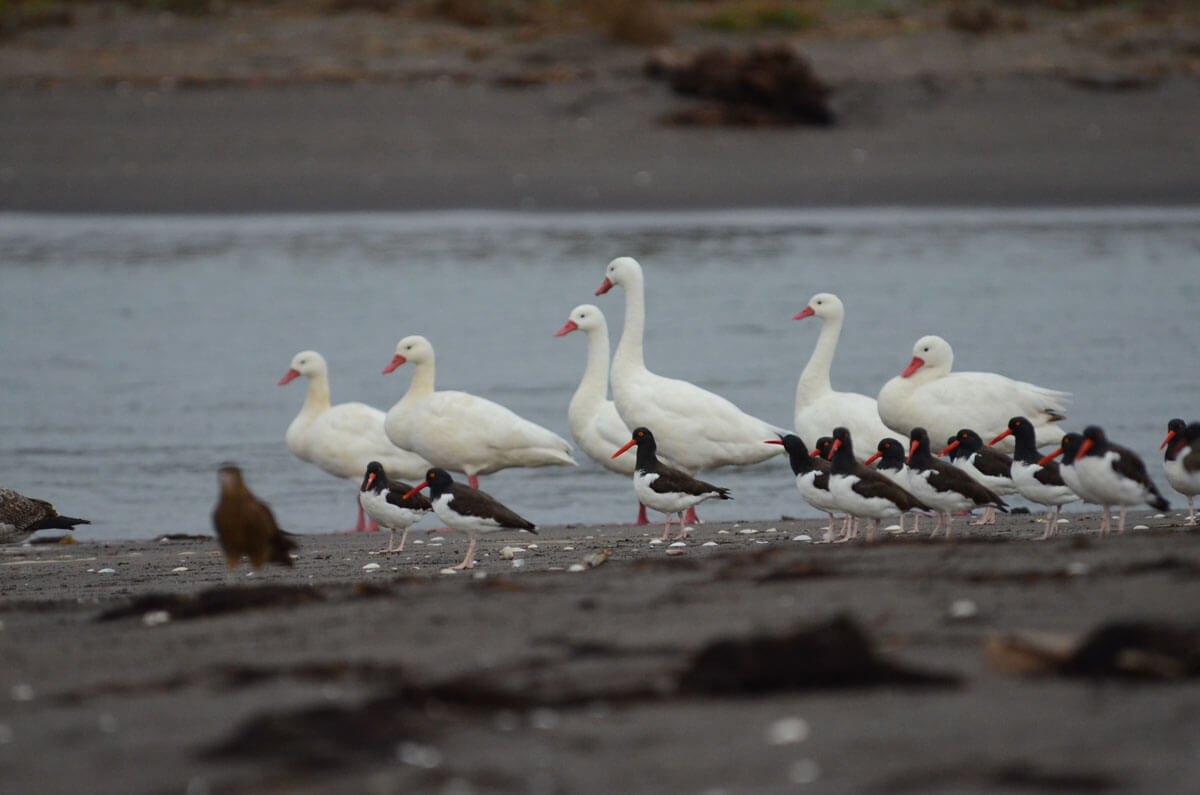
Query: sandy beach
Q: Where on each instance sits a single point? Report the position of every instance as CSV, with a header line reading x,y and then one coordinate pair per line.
x,y
864,668
750,660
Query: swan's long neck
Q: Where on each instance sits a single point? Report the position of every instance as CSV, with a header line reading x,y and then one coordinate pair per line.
x,y
814,379
593,388
317,399
628,356
422,381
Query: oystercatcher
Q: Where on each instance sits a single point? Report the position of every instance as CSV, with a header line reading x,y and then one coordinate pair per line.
x,y
1115,475
891,455
665,488
863,491
1182,461
384,502
812,476
21,517
943,486
990,467
1035,481
246,526
468,510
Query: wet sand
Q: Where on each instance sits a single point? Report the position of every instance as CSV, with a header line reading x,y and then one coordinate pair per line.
x,y
540,679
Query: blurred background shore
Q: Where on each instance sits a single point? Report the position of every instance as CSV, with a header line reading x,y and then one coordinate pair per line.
x,y
341,105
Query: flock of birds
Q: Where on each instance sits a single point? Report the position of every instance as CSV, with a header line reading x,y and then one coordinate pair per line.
x,y
682,430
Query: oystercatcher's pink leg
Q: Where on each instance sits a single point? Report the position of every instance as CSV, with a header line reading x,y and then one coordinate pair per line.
x,y
473,480
690,517
361,525
468,561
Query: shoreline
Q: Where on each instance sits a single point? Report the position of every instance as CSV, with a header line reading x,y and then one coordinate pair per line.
x,y
165,676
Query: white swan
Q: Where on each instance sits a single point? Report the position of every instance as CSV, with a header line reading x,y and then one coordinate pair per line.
x,y
694,428
591,416
342,439
928,395
818,408
462,432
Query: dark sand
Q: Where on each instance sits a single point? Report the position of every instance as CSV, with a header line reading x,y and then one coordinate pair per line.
x,y
360,112
534,679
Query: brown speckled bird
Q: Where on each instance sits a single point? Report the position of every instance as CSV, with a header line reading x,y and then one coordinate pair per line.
x,y
21,517
246,526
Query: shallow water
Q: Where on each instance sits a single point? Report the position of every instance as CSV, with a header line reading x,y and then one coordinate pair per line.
x,y
139,353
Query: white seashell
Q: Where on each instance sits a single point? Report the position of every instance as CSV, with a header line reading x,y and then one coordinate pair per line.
x,y
747,531
568,549
709,544
448,571
655,541
1063,521
518,562
1141,527
787,730
179,569
371,567
1160,516
892,527
576,567
531,546
418,541
106,571
771,530
508,553
675,551
723,533
678,544
155,618
803,537
963,608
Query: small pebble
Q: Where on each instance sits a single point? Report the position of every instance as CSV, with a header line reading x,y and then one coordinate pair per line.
x,y
507,553
418,755
804,771
787,730
675,551
22,692
371,567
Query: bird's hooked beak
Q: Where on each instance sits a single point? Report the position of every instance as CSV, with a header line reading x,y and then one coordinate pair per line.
x,y
294,373
567,328
416,488
949,447
629,444
873,458
1007,432
1047,459
1170,436
605,287
916,364
397,360
806,312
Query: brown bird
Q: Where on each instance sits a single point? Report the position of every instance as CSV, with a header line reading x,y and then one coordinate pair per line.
x,y
246,526
21,517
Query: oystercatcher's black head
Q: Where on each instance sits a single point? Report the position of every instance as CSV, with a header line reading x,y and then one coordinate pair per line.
x,y
1175,429
968,441
1070,447
374,479
1094,442
890,452
797,450
439,480
841,454
919,450
644,441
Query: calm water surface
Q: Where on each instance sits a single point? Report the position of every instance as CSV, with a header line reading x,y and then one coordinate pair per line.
x,y
139,353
